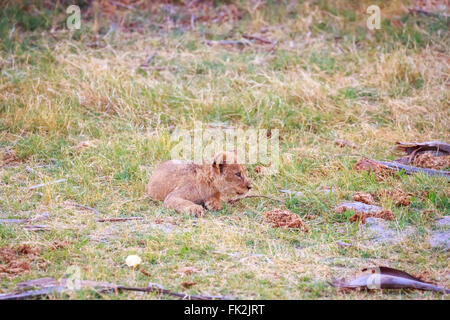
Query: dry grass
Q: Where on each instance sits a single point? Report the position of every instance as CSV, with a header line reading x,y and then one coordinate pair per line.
x,y
79,106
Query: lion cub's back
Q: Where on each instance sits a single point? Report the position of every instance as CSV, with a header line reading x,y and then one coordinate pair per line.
x,y
169,175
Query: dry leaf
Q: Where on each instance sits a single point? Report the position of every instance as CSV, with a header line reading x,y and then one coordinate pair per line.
x,y
387,278
146,273
188,284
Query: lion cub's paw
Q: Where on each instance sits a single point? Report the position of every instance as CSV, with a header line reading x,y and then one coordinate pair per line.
x,y
213,204
196,210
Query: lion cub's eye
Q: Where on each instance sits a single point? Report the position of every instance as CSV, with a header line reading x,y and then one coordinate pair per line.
x,y
238,174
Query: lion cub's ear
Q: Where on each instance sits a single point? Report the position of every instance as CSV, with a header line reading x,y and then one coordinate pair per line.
x,y
222,159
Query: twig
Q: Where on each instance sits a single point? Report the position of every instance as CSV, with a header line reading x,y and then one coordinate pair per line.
x,y
153,55
87,208
119,4
274,46
192,22
253,37
160,290
46,184
233,201
427,13
119,219
228,42
37,227
43,216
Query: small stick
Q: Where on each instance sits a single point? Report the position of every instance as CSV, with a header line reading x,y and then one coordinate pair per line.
x,y
46,184
150,58
37,227
228,42
233,201
37,218
119,219
427,13
161,290
192,22
253,37
87,208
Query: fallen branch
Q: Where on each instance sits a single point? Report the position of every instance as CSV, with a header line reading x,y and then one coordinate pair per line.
x,y
410,169
43,287
233,201
118,219
46,184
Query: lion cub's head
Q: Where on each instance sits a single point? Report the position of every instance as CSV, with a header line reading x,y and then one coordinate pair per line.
x,y
230,177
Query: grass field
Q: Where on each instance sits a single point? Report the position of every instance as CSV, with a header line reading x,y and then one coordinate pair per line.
x,y
328,77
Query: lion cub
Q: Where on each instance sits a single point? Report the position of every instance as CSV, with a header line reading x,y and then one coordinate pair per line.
x,y
187,187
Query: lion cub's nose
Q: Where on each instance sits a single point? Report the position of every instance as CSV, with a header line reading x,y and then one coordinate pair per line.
x,y
249,186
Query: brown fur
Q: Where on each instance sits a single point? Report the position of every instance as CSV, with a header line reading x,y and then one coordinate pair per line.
x,y
186,187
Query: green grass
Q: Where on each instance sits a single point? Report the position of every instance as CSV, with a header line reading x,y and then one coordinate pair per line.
x,y
327,78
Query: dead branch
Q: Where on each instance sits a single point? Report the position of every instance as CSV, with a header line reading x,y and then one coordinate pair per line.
x,y
410,169
46,286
